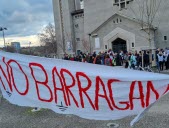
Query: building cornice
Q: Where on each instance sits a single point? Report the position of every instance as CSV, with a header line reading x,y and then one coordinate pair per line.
x,y
77,12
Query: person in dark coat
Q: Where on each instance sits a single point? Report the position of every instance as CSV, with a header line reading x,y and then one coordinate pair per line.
x,y
91,59
98,59
118,60
167,62
146,59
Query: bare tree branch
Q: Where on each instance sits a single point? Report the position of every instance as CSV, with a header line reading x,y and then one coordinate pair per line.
x,y
147,12
48,39
85,45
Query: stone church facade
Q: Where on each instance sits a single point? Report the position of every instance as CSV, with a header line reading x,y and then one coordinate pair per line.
x,y
99,25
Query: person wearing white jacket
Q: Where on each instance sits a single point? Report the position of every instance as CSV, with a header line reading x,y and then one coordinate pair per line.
x,y
160,60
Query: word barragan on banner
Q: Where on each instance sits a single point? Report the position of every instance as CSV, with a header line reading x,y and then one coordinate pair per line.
x,y
8,75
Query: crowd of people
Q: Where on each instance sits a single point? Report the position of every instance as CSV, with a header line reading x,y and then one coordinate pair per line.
x,y
123,58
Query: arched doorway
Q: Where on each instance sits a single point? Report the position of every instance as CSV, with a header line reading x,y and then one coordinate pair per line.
x,y
119,44
122,34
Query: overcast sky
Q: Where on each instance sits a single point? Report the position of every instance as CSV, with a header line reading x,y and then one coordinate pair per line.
x,y
24,18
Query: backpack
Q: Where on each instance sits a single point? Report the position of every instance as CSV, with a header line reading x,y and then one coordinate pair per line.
x,y
107,61
114,62
98,61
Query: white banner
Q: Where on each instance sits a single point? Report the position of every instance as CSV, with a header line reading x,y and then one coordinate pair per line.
x,y
87,90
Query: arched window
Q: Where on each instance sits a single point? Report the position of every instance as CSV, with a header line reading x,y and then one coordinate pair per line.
x,y
132,45
81,4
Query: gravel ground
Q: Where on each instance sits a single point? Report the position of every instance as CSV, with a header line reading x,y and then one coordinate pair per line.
x,y
12,116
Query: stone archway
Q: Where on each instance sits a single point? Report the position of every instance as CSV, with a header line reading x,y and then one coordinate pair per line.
x,y
122,34
119,44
